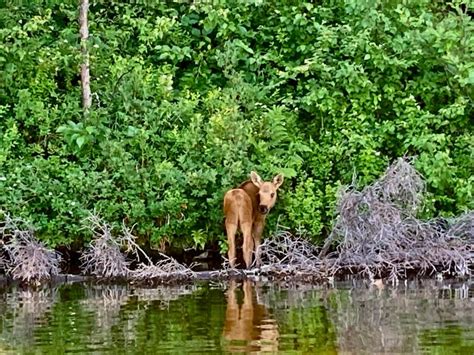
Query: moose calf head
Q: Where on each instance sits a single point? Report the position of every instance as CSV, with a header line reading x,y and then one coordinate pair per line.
x,y
267,191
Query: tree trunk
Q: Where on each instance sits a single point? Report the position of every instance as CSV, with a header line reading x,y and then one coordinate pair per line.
x,y
85,75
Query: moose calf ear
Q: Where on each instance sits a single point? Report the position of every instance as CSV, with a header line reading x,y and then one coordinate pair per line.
x,y
278,180
257,180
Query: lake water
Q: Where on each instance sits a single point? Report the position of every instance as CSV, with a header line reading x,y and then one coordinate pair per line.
x,y
242,316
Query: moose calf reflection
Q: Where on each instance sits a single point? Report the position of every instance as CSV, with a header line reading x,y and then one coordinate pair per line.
x,y
248,326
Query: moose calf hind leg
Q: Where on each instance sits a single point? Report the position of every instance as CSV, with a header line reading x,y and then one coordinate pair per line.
x,y
248,243
231,229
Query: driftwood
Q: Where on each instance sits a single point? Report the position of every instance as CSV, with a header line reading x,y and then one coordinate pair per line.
x,y
286,255
163,269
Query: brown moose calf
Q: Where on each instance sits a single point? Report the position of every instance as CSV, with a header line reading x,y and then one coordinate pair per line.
x,y
247,207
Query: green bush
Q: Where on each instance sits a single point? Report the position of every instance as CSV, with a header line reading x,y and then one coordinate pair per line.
x,y
188,98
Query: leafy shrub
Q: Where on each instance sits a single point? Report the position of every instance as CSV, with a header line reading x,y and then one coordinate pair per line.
x,y
188,98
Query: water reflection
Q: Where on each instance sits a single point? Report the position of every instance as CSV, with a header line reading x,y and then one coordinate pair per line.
x,y
394,319
244,316
248,325
21,309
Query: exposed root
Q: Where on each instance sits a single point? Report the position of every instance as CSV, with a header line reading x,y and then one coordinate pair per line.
x,y
29,260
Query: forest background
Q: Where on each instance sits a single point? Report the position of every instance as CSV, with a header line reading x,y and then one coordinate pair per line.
x,y
189,97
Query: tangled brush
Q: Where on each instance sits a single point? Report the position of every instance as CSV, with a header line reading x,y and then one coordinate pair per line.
x,y
28,259
106,256
103,257
376,230
286,254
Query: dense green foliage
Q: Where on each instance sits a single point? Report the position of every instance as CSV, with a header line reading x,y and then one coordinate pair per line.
x,y
187,99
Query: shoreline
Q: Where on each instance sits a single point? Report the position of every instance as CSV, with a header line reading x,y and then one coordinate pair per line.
x,y
300,278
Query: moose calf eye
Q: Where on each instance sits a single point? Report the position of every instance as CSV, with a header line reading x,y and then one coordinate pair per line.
x,y
272,195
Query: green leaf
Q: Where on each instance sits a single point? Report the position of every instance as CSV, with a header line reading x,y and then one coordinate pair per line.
x,y
61,129
246,48
288,172
80,141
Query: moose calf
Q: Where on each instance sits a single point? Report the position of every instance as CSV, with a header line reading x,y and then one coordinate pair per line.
x,y
247,207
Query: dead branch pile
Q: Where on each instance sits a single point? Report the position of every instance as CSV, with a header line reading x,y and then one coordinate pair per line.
x,y
27,259
462,227
163,269
104,257
166,268
288,255
377,232
3,262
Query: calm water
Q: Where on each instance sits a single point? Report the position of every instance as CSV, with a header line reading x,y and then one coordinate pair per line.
x,y
419,317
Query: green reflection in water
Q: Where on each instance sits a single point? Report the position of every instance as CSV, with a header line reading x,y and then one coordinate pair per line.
x,y
447,340
237,317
